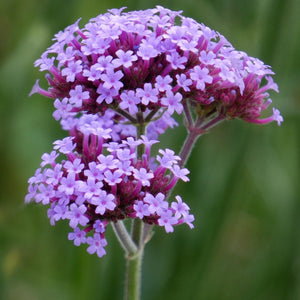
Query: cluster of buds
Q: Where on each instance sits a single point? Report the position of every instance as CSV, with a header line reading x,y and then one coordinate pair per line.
x,y
117,83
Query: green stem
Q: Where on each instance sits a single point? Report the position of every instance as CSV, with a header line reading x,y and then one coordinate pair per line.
x,y
194,132
133,276
134,263
137,232
124,238
126,115
188,145
141,128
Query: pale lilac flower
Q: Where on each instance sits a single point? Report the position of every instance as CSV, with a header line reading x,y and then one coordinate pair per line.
x,y
95,128
44,62
175,33
277,116
104,202
66,55
188,45
88,47
147,94
188,219
99,226
53,176
76,215
129,101
176,61
113,147
172,102
143,176
38,177
111,79
71,70
207,57
75,166
141,209
106,94
60,211
32,192
93,172
168,158
77,95
95,45
163,83
78,236
104,63
67,184
180,208
63,109
133,143
147,142
65,145
113,177
50,213
45,194
67,35
92,74
106,162
111,31
125,167
147,51
97,244
167,220
200,76
257,67
91,188
157,203
180,173
124,154
49,159
184,82
124,59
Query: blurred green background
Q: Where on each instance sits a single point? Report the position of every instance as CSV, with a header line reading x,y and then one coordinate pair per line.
x,y
244,189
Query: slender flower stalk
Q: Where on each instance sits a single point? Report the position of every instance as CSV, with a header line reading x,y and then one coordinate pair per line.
x,y
116,84
134,264
124,238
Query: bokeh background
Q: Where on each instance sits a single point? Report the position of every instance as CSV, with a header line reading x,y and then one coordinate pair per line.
x,y
244,189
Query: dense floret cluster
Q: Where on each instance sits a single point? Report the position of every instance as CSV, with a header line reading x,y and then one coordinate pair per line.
x,y
151,61
102,181
116,84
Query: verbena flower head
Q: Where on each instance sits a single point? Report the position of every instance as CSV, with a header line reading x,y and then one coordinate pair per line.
x,y
152,61
97,181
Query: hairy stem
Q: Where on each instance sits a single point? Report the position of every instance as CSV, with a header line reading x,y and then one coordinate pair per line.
x,y
126,115
134,263
124,238
151,115
187,114
133,277
188,145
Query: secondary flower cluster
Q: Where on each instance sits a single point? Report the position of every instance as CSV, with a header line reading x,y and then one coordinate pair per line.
x,y
117,83
102,181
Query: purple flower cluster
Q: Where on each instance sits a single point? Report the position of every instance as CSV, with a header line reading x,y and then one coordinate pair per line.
x,y
116,84
144,61
102,181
